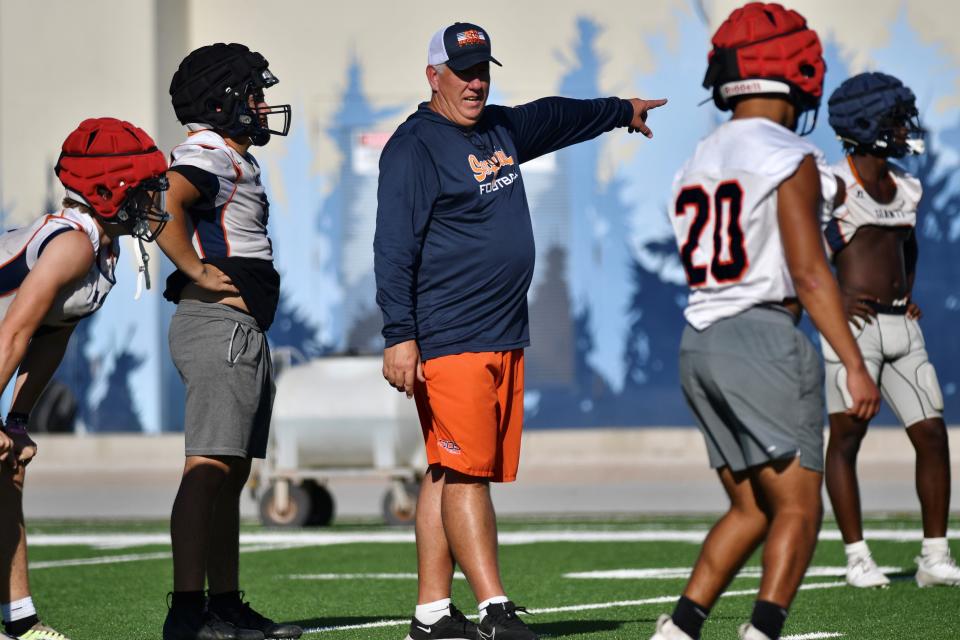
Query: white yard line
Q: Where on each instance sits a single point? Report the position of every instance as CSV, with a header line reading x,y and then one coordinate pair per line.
x,y
594,606
326,538
137,557
668,573
361,576
813,636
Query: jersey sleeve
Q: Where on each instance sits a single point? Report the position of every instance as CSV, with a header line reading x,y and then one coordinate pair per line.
x,y
208,168
408,187
53,226
549,124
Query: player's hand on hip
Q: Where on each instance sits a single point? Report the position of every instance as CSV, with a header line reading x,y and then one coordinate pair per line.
x,y
215,280
864,393
640,110
913,311
858,311
402,367
24,448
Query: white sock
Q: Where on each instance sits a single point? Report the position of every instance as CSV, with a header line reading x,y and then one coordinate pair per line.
x,y
494,600
856,551
18,610
431,612
934,547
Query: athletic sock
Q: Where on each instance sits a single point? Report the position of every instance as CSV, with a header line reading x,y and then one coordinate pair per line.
x,y
856,550
768,618
19,616
934,547
431,612
690,616
482,607
188,602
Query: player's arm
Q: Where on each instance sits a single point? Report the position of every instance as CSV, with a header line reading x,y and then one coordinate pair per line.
x,y
911,253
175,239
407,189
65,259
44,355
798,202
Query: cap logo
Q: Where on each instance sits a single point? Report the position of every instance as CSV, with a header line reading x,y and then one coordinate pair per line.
x,y
471,37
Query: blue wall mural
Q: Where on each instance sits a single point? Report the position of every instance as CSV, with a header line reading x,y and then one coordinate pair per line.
x,y
607,297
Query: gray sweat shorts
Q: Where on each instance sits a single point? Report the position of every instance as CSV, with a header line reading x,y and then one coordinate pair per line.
x,y
224,362
755,385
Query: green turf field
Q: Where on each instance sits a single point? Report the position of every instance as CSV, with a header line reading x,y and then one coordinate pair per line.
x,y
109,580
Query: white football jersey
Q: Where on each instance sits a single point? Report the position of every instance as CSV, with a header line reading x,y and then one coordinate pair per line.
x,y
21,248
237,223
859,209
725,216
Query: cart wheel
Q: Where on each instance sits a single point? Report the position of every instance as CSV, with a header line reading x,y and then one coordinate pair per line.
x,y
400,503
322,507
296,514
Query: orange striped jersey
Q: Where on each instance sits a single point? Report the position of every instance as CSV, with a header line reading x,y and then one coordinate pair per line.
x,y
724,215
21,248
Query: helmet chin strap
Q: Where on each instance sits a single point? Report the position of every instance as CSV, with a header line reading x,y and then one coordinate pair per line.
x,y
142,259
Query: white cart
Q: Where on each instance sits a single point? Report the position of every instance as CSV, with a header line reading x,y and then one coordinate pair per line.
x,y
332,418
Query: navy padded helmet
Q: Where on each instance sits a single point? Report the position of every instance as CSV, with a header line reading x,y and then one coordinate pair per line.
x,y
866,111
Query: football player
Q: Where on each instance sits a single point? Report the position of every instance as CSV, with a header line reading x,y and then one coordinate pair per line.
x,y
746,223
218,236
873,242
56,271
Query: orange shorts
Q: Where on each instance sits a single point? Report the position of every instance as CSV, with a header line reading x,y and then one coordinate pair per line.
x,y
471,412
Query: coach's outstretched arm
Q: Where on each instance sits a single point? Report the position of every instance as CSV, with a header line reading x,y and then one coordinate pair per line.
x,y
798,201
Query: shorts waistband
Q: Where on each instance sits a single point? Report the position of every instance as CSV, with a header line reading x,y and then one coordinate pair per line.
x,y
892,309
215,310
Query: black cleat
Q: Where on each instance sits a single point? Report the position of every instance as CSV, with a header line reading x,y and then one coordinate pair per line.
x,y
245,618
503,623
206,626
452,627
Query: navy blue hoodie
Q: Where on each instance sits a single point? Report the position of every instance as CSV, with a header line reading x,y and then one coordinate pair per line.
x,y
453,250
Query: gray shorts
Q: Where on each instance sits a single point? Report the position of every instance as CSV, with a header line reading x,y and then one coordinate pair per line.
x,y
224,362
894,352
755,385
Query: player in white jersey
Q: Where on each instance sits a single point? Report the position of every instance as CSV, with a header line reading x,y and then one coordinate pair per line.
x,y
873,241
746,221
54,272
217,337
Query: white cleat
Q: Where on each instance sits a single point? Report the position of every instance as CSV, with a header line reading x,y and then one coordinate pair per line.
x,y
937,570
666,630
749,632
864,573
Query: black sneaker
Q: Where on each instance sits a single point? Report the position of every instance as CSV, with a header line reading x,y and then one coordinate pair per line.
x,y
452,627
503,623
245,617
206,626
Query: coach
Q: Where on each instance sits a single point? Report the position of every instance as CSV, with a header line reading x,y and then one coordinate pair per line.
x,y
454,255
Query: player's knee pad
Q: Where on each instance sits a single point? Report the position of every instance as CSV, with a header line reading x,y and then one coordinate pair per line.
x,y
929,385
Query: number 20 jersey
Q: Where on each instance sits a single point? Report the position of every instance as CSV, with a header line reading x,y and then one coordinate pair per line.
x,y
724,215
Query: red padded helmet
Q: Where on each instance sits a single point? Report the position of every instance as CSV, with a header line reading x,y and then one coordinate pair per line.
x,y
763,48
104,158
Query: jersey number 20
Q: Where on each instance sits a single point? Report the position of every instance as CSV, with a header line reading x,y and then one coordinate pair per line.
x,y
723,270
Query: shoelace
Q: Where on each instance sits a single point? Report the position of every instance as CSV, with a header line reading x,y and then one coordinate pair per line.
x,y
509,616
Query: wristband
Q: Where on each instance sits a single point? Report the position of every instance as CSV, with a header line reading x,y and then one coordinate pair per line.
x,y
17,422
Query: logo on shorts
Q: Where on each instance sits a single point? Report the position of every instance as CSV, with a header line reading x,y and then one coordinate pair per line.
x,y
450,446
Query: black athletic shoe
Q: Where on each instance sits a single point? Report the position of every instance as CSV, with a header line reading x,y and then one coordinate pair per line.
x,y
207,626
245,617
503,623
452,627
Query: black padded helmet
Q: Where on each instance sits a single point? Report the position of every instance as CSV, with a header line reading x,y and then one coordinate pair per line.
x,y
214,85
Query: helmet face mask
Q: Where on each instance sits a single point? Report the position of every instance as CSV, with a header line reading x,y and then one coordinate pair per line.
x,y
222,85
143,211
